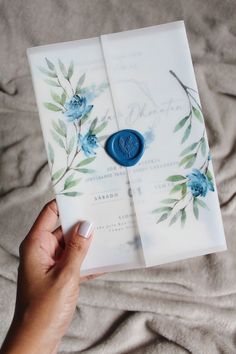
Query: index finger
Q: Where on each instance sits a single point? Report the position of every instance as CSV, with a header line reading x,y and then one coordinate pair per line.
x,y
47,219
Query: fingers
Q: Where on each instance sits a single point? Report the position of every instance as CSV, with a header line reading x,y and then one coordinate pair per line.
x,y
44,223
47,218
91,276
59,236
77,246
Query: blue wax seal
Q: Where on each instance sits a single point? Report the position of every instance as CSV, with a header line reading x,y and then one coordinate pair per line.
x,y
126,147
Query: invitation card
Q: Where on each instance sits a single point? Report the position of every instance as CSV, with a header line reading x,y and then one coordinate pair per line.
x,y
165,207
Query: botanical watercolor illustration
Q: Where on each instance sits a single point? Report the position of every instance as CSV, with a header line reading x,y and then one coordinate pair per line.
x,y
192,187
149,137
73,129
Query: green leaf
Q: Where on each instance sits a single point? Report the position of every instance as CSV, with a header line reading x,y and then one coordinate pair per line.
x,y
163,217
63,126
70,70
86,161
58,139
63,98
71,184
209,175
191,162
50,64
58,129
160,210
69,179
175,178
203,147
93,125
181,123
100,128
51,153
177,188
85,89
201,203
58,174
186,133
175,218
71,144
189,149
198,114
103,137
80,83
52,83
72,194
169,201
195,209
183,217
62,68
85,118
56,97
52,107
84,170
186,159
47,72
184,190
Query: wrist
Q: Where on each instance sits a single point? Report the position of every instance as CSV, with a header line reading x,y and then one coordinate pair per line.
x,y
26,336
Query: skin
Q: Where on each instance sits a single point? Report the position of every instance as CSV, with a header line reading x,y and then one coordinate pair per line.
x,y
47,286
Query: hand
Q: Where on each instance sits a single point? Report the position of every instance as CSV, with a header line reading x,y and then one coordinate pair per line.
x,y
48,284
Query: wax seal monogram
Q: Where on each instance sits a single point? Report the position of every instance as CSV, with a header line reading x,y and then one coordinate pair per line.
x,y
126,147
129,145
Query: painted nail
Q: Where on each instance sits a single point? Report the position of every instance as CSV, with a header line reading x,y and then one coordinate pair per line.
x,y
85,229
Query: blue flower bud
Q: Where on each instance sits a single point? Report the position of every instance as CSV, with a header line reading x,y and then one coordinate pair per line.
x,y
199,183
76,108
88,143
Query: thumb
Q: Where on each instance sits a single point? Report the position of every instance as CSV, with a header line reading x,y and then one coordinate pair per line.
x,y
77,245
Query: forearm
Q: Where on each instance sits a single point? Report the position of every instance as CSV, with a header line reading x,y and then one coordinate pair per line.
x,y
22,338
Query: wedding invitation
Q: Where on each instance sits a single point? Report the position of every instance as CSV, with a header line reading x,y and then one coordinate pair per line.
x,y
164,208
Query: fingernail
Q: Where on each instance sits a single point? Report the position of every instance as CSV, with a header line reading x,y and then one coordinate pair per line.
x,y
85,229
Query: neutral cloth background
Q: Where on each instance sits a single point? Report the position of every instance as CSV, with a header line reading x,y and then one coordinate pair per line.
x,y
183,307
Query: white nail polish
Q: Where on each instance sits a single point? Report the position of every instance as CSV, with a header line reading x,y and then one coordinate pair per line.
x,y
85,229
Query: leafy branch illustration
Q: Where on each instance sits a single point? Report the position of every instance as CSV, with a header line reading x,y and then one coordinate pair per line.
x,y
74,131
198,182
188,195
195,110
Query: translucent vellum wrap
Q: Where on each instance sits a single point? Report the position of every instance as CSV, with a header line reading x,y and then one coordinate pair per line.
x,y
163,209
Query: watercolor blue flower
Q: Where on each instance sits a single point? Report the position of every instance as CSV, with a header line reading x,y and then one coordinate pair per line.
x,y
199,183
93,91
88,143
76,108
149,137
